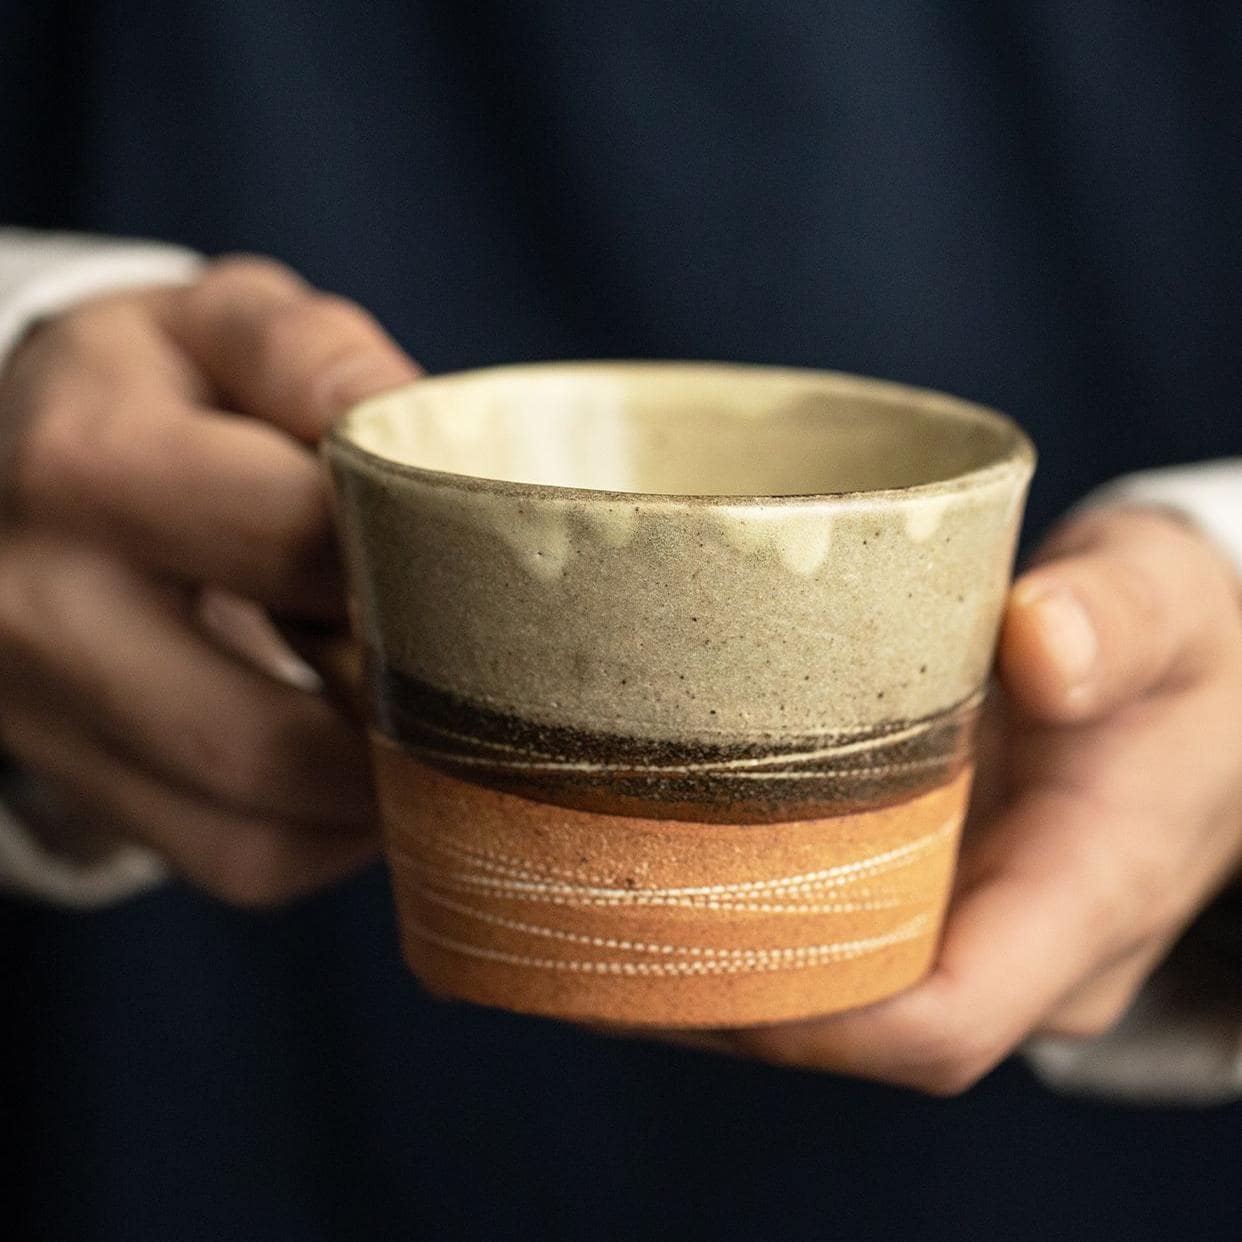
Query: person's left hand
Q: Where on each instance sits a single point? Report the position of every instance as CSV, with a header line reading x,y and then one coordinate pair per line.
x,y
1107,811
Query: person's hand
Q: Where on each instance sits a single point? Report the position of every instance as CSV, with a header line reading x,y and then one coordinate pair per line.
x,y
166,493
1107,813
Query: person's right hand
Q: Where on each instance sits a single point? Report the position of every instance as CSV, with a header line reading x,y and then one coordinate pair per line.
x,y
165,494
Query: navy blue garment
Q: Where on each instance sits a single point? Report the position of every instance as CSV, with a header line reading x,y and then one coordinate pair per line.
x,y
1033,205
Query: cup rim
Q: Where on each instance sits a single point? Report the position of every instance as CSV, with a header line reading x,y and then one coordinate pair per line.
x,y
1018,458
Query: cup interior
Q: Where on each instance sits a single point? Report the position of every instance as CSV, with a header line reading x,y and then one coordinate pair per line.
x,y
678,429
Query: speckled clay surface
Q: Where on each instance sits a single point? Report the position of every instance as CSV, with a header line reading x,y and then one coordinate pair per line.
x,y
718,603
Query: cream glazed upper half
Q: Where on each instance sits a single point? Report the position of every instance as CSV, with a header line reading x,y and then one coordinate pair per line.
x,y
703,592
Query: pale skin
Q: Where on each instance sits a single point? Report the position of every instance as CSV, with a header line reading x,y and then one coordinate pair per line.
x,y
167,449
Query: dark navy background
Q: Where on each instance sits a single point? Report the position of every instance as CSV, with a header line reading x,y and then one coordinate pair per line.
x,y
1035,205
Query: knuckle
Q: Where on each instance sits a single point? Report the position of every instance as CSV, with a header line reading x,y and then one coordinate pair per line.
x,y
73,439
63,443
337,310
305,346
285,332
317,329
1128,893
1161,566
251,268
1142,593
79,335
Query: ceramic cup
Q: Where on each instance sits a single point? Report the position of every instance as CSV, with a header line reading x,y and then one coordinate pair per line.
x,y
673,671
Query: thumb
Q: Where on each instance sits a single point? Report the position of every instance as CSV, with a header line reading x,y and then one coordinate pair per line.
x,y
1121,604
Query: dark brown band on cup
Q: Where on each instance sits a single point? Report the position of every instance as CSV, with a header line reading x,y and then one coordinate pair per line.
x,y
764,779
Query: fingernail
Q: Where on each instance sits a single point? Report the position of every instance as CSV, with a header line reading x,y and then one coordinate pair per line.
x,y
1068,632
290,668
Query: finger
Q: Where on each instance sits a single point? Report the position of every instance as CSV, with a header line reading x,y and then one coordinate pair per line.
x,y
244,860
1046,902
207,496
283,352
1124,606
1100,1002
136,672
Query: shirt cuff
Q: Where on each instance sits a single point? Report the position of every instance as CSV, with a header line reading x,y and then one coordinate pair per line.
x,y
29,869
1208,494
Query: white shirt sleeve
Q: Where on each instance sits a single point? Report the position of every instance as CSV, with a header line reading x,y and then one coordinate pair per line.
x,y
42,274
1208,493
1181,1041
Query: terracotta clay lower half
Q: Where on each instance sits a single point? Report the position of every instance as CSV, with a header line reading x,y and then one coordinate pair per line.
x,y
511,901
